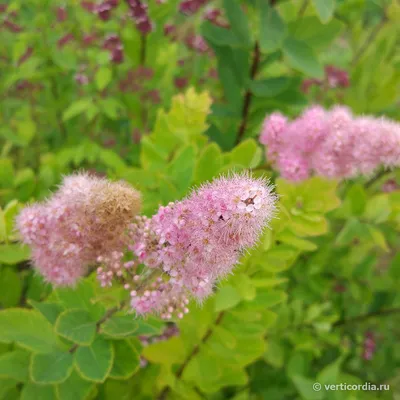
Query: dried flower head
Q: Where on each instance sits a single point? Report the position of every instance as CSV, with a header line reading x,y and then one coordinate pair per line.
x,y
85,218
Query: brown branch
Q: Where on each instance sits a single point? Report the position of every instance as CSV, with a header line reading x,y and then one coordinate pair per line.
x,y
303,8
364,317
164,393
377,178
248,94
56,97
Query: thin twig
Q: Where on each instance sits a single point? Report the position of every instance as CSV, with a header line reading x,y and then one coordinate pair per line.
x,y
248,94
303,8
54,92
371,37
164,393
377,178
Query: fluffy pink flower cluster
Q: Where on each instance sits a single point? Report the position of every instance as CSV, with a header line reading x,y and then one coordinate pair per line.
x,y
192,243
86,217
182,251
331,143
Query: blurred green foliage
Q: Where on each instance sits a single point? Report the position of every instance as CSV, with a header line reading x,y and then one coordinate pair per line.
x,y
301,306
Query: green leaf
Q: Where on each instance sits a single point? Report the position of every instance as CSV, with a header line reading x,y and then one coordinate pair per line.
x,y
378,208
6,173
51,368
357,198
290,238
14,253
25,183
31,391
246,154
181,168
10,287
303,226
80,297
3,229
230,72
7,386
270,87
8,216
77,326
227,297
50,311
126,360
325,9
168,352
272,28
76,108
74,388
244,285
112,160
225,336
378,237
94,362
330,373
111,107
270,298
268,282
27,328
149,327
305,387
119,326
353,229
209,163
219,36
15,365
394,268
103,78
275,354
300,56
317,35
26,131
238,21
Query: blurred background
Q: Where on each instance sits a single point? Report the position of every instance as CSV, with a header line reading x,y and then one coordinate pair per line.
x,y
167,94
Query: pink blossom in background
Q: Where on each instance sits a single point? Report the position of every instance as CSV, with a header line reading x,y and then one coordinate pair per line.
x,y
103,10
334,78
369,346
61,14
140,16
331,143
69,37
89,6
214,15
170,30
81,79
190,7
180,82
272,131
196,43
